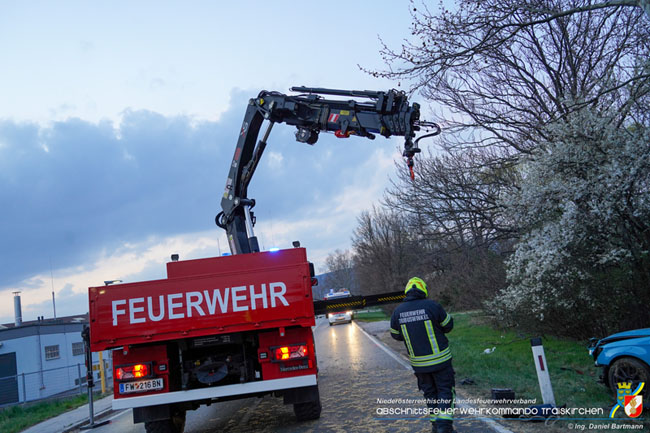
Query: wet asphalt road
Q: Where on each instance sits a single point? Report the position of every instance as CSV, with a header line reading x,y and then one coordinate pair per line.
x,y
353,374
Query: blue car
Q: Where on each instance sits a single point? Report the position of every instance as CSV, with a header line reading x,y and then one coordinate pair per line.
x,y
625,357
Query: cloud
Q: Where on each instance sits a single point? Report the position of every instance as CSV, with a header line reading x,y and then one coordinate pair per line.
x,y
71,190
92,201
131,262
275,160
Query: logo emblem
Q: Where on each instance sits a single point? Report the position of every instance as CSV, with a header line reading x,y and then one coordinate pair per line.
x,y
633,405
630,401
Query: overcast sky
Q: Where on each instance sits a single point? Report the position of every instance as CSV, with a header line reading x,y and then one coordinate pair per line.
x,y
119,119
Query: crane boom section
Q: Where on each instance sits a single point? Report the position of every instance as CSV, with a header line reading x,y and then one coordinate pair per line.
x,y
384,113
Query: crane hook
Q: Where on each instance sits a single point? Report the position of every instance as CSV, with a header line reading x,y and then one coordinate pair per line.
x,y
411,150
410,164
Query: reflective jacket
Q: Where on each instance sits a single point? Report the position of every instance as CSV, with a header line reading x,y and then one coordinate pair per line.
x,y
422,324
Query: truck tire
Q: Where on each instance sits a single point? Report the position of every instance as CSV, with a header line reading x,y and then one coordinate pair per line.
x,y
307,411
174,425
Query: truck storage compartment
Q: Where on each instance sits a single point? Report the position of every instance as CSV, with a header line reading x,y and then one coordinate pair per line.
x,y
204,297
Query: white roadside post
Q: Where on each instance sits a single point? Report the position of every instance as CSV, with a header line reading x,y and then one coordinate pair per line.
x,y
543,376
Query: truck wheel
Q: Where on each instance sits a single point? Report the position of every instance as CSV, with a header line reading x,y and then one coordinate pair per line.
x,y
628,370
174,425
307,411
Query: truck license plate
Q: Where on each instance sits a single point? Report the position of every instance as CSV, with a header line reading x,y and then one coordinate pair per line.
x,y
141,386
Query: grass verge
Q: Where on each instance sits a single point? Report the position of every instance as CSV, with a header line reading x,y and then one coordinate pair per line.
x,y
371,316
17,418
574,377
510,365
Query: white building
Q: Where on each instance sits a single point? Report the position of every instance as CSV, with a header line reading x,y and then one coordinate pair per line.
x,y
45,358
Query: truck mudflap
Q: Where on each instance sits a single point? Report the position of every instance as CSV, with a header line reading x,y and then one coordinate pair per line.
x,y
263,386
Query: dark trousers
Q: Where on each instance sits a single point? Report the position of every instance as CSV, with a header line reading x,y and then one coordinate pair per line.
x,y
439,390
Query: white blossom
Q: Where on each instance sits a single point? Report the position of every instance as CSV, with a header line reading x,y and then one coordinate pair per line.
x,y
584,209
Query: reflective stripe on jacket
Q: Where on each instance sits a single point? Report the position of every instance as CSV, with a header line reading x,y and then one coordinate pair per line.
x,y
422,324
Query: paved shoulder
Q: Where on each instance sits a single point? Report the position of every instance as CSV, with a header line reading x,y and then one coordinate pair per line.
x,y
462,424
72,418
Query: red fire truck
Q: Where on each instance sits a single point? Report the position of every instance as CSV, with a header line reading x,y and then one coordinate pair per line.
x,y
237,326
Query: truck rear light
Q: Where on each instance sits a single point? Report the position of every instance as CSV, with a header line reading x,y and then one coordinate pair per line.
x,y
290,353
131,372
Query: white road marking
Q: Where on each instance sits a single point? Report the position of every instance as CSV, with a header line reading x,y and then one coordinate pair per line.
x,y
492,423
383,347
318,326
119,414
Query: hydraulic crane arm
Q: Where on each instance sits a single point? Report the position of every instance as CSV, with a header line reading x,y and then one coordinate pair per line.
x,y
385,113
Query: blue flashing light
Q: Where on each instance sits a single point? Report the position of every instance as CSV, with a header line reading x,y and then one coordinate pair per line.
x,y
274,249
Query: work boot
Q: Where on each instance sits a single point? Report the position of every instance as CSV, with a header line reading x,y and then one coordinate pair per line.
x,y
443,428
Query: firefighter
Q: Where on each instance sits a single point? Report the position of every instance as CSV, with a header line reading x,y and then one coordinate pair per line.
x,y
422,324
